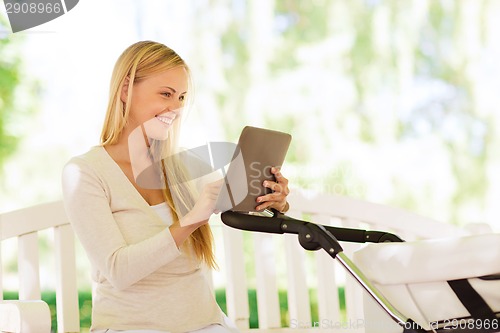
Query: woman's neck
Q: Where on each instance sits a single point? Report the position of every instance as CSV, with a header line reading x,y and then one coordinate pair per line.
x,y
138,150
131,148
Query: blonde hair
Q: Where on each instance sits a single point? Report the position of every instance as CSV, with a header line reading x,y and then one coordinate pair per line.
x,y
137,62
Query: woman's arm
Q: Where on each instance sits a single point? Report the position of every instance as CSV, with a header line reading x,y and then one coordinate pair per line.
x,y
88,208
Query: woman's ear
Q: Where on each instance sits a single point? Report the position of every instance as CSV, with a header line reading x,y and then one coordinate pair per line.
x,y
124,92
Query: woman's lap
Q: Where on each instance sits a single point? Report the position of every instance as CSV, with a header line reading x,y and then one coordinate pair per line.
x,y
208,329
229,327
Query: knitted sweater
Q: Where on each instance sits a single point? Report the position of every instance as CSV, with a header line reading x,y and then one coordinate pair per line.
x,y
142,280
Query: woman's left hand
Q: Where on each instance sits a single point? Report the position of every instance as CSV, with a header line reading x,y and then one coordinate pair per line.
x,y
276,199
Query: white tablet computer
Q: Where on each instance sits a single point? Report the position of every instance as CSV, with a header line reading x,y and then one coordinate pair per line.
x,y
257,151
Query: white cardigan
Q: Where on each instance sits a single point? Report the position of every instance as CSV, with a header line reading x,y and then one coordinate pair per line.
x,y
143,281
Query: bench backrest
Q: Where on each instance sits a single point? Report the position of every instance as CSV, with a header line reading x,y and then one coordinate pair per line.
x,y
275,258
25,224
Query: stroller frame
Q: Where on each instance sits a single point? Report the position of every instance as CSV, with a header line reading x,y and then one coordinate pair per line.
x,y
312,236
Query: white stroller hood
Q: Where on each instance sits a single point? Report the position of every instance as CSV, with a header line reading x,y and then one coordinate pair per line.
x,y
413,276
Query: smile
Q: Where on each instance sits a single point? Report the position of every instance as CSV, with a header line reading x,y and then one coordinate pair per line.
x,y
165,119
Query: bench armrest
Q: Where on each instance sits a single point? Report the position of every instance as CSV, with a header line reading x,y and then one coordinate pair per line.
x,y
25,317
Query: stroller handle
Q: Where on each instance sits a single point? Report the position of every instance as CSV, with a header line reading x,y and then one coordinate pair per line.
x,y
280,224
313,236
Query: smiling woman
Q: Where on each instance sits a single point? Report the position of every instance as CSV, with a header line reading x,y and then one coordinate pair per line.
x,y
136,264
143,227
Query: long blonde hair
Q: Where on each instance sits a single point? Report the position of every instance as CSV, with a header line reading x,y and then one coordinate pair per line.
x,y
137,62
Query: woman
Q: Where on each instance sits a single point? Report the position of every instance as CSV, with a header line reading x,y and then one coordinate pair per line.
x,y
134,211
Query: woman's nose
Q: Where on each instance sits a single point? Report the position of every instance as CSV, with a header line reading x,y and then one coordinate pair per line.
x,y
174,106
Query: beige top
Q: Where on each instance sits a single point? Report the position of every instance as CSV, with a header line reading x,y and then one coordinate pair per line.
x,y
142,280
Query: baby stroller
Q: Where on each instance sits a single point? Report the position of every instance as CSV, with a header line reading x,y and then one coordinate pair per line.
x,y
400,303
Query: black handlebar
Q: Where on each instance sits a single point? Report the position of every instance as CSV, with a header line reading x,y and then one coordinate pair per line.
x,y
280,224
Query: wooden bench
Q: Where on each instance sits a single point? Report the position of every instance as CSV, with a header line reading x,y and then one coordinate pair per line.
x,y
277,262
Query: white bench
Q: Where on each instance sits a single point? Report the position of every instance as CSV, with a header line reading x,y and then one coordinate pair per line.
x,y
278,262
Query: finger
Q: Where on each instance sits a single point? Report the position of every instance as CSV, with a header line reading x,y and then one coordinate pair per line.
x,y
278,175
215,187
273,185
216,184
276,197
277,188
264,206
279,205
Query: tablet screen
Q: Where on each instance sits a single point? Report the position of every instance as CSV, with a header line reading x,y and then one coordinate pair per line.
x,y
258,150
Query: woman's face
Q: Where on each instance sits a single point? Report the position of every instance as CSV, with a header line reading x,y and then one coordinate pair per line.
x,y
157,101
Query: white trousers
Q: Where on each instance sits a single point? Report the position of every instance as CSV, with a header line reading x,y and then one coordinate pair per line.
x,y
229,327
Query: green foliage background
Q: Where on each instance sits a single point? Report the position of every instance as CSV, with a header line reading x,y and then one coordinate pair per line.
x,y
18,94
9,80
390,101
381,85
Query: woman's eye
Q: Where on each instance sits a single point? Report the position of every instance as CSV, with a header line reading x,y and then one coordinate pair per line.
x,y
182,98
166,94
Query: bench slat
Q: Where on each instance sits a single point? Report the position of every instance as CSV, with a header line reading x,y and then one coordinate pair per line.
x,y
68,318
236,289
268,306
328,294
28,266
1,273
298,291
353,291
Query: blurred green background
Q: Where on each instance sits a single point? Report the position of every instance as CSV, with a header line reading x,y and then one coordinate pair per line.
x,y
392,101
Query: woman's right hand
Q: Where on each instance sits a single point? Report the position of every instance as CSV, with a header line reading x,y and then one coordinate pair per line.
x,y
204,206
199,215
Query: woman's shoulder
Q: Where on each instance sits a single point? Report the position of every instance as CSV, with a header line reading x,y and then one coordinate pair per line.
x,y
95,165
94,159
94,154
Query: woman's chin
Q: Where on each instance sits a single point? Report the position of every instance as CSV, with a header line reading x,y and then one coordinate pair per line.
x,y
158,136
156,131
